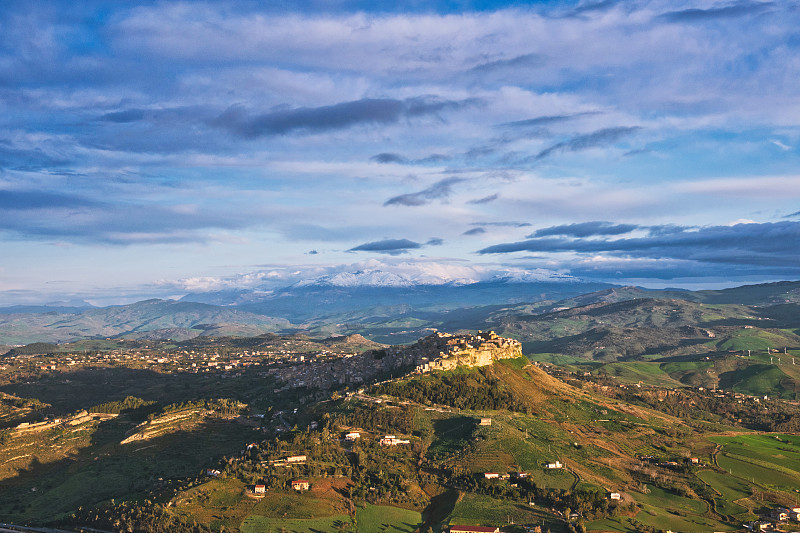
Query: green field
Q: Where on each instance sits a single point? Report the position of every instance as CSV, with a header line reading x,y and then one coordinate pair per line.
x,y
379,518
759,380
639,372
771,461
753,339
670,502
666,510
263,524
730,489
554,358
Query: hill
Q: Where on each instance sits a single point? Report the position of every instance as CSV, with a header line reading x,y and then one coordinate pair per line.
x,y
181,436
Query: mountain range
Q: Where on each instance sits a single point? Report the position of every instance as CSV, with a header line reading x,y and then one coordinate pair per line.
x,y
392,308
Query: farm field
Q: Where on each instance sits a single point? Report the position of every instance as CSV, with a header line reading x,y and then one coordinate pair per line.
x,y
772,461
381,518
646,373
263,524
730,490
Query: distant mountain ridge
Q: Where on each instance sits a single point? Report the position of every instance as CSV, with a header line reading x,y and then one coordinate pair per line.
x,y
139,320
395,309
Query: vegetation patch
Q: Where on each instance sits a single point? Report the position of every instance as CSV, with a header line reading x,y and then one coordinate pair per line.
x,y
263,524
474,390
380,518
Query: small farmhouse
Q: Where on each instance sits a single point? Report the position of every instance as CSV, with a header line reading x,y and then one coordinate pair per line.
x,y
391,440
352,436
556,464
300,484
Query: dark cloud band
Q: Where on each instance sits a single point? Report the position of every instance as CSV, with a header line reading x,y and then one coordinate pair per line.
x,y
237,120
745,244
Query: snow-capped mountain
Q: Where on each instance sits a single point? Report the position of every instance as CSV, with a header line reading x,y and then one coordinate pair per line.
x,y
379,278
384,278
533,276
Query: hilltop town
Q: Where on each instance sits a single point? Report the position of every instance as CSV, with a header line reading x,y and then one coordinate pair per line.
x,y
437,351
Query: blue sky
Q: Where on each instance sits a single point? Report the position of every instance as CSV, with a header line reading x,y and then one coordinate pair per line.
x,y
156,148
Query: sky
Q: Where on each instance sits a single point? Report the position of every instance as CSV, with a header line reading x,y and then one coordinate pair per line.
x,y
150,149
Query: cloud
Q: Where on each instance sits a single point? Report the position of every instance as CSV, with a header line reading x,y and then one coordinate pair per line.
x,y
525,61
585,229
781,145
316,232
237,120
775,243
47,216
589,140
740,9
440,190
129,115
30,159
387,246
509,224
589,7
434,158
485,199
546,120
434,241
27,200
389,158
792,215
474,231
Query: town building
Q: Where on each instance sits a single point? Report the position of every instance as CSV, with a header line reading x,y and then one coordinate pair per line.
x,y
391,440
300,484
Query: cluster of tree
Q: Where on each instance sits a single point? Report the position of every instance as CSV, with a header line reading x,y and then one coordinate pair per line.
x,y
383,475
136,408
380,474
385,418
128,517
475,390
324,458
222,406
22,403
36,348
